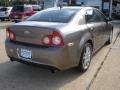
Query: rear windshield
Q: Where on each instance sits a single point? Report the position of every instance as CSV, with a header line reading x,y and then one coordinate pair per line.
x,y
27,8
36,8
18,9
56,15
3,9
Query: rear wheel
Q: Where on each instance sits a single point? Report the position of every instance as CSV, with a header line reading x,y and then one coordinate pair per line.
x,y
85,58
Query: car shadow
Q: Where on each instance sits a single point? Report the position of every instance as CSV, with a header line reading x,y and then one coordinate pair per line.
x,y
17,76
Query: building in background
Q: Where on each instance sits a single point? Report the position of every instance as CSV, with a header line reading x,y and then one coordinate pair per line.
x,y
111,8
116,9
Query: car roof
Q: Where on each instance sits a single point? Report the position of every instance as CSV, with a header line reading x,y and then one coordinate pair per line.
x,y
70,7
22,5
75,7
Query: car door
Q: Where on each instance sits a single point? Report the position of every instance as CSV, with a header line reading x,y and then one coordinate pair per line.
x,y
104,24
95,27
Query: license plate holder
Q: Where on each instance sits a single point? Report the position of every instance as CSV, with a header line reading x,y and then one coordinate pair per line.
x,y
25,53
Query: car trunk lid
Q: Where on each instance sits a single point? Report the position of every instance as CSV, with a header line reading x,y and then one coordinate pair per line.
x,y
32,32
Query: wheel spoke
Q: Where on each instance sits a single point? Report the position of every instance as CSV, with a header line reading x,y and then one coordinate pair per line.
x,y
86,57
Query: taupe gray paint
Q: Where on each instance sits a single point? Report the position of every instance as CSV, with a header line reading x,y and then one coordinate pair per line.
x,y
75,34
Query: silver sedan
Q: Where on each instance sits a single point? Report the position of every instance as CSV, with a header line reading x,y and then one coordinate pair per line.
x,y
59,38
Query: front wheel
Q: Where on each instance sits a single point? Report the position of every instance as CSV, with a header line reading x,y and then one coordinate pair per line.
x,y
85,58
11,59
110,38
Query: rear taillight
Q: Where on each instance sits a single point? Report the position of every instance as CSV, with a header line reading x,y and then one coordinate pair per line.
x,y
10,34
55,39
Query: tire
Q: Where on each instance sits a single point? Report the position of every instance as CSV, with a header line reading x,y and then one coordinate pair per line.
x,y
9,18
2,19
11,59
85,58
110,38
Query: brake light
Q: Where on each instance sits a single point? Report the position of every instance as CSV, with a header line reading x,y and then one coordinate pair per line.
x,y
55,39
10,34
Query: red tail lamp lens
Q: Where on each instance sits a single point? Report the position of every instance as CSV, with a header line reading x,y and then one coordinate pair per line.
x,y
55,39
10,34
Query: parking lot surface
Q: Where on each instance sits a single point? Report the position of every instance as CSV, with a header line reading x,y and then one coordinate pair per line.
x,y
17,76
109,75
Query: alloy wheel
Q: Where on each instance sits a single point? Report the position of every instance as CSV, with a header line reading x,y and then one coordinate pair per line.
x,y
86,57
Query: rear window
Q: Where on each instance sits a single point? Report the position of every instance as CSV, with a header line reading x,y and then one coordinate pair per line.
x,y
18,9
27,8
36,8
3,9
56,15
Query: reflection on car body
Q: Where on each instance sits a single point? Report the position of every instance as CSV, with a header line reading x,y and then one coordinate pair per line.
x,y
22,12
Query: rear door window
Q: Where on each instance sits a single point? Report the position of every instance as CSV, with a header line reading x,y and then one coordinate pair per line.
x,y
100,17
90,16
94,16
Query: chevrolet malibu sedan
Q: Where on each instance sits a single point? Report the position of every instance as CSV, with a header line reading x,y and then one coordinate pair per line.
x,y
59,38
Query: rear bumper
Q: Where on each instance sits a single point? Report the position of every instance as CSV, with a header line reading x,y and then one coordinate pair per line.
x,y
53,57
4,17
34,64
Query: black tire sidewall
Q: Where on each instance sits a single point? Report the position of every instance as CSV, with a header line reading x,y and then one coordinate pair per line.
x,y
81,67
111,36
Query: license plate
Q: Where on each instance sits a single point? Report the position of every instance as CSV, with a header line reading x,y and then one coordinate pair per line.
x,y
24,53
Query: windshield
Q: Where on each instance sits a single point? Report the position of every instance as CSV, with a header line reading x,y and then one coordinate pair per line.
x,y
18,9
56,15
3,9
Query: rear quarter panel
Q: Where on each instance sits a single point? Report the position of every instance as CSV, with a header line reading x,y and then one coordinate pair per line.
x,y
75,38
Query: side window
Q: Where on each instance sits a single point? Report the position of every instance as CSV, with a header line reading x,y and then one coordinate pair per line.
x,y
99,16
94,16
89,16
